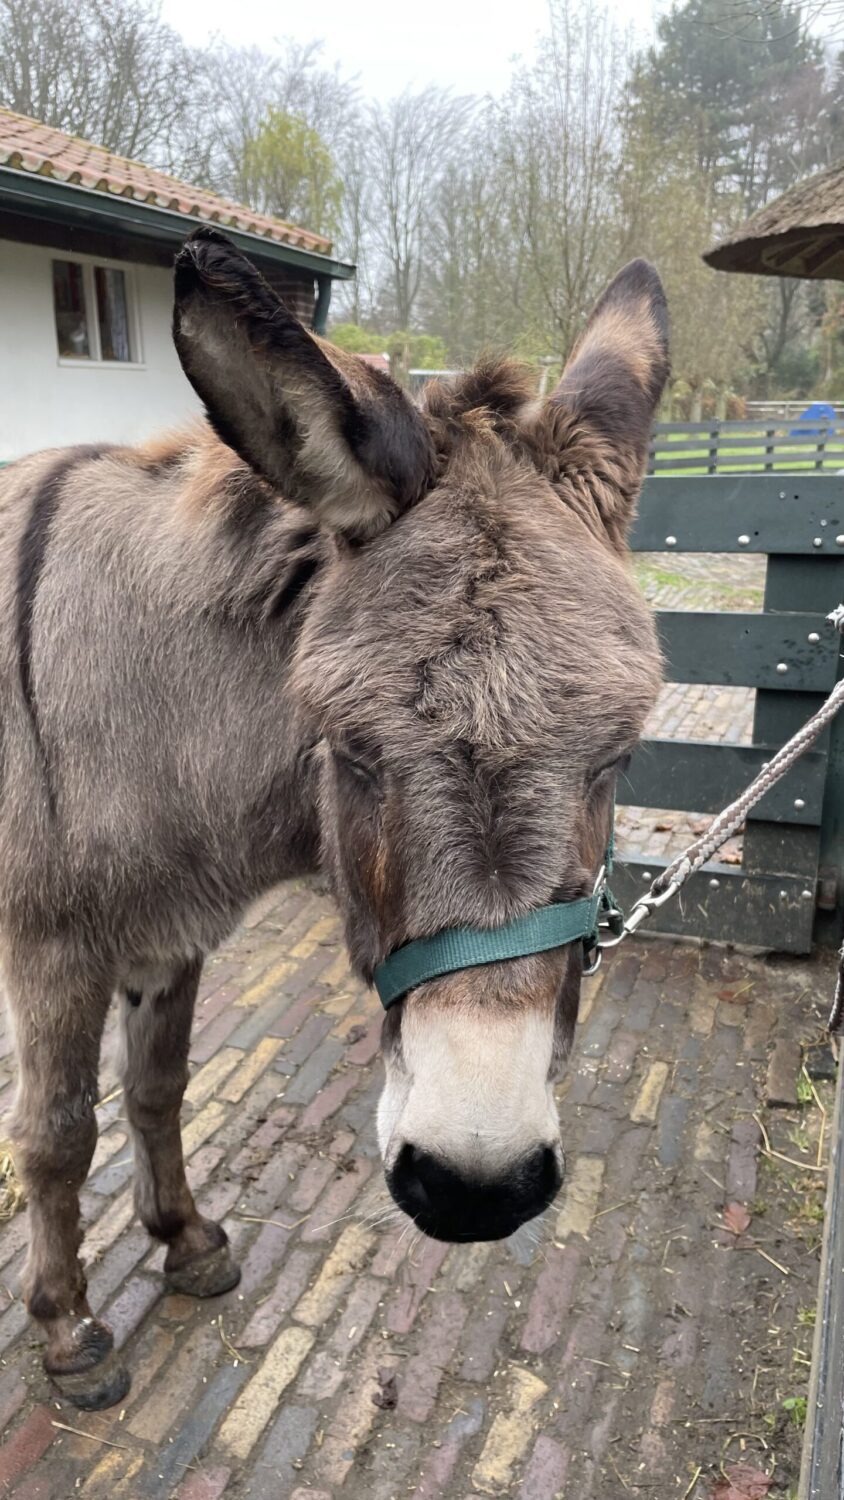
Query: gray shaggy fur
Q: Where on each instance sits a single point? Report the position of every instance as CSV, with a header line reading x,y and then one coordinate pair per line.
x,y
423,673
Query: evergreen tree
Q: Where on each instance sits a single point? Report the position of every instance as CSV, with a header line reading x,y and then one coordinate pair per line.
x,y
753,99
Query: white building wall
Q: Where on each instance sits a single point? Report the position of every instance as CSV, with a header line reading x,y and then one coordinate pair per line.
x,y
45,402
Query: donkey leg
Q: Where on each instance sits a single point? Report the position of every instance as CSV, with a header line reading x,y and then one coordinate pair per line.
x,y
156,1038
59,1019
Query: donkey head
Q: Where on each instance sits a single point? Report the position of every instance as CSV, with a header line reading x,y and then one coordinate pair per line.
x,y
478,664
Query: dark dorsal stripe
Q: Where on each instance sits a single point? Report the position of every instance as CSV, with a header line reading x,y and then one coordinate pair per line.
x,y
32,554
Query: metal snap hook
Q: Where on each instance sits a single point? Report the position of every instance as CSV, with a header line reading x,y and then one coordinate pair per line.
x,y
647,905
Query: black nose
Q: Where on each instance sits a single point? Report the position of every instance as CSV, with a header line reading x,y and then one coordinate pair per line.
x,y
457,1206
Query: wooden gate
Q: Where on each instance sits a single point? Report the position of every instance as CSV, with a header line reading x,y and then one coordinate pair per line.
x,y
789,887
734,447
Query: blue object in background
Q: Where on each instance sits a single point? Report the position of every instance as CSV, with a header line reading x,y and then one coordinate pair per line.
x,y
818,412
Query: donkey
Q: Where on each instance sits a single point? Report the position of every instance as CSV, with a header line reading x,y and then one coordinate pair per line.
x,y
327,628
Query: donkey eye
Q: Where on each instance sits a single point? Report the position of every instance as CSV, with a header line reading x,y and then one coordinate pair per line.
x,y
353,765
615,767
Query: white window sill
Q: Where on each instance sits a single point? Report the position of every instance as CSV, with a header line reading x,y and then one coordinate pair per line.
x,y
99,364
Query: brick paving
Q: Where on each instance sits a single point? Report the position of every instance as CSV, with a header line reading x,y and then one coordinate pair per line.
x,y
613,1351
685,711
701,580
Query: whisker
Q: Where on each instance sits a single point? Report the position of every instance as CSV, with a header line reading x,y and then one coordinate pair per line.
x,y
411,1224
341,1219
420,1236
374,1211
386,1217
358,1214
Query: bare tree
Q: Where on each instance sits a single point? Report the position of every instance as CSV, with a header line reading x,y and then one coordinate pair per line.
x,y
559,138
475,261
408,144
249,85
110,71
243,83
483,223
821,17
356,297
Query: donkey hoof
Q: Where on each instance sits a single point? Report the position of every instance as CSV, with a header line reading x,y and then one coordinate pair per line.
x,y
206,1275
92,1390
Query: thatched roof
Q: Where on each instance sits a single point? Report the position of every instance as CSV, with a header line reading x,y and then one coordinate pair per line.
x,y
799,234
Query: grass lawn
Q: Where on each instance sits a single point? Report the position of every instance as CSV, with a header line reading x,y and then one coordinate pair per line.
x,y
789,458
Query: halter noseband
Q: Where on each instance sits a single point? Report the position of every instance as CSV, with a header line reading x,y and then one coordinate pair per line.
x,y
552,926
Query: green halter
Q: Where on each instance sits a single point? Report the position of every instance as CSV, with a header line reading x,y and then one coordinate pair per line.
x,y
553,926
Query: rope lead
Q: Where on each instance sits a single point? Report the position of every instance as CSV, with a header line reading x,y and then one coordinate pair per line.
x,y
673,878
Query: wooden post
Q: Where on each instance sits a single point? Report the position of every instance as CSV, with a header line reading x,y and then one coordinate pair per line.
x,y
790,887
795,583
820,1473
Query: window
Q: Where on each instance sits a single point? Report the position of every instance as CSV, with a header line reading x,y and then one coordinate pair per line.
x,y
71,313
94,313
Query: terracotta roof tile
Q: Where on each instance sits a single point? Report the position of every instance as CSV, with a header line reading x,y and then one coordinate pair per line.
x,y
29,146
378,361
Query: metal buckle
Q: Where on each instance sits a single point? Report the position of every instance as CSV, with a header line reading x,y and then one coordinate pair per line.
x,y
611,920
612,917
595,957
618,937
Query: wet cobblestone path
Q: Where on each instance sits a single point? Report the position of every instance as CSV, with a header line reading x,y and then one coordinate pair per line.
x,y
615,1350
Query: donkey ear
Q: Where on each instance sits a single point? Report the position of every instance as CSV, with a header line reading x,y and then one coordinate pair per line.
x,y
619,366
320,426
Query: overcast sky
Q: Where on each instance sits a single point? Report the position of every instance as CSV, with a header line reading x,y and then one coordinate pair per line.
x,y
465,45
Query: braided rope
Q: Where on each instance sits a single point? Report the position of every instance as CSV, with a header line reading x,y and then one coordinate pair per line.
x,y
731,819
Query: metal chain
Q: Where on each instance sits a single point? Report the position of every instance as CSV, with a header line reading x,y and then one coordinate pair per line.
x,y
674,876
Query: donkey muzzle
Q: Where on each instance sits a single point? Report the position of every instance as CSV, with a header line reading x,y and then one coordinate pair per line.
x,y
453,1205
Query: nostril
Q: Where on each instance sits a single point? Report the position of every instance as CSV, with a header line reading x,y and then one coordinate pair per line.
x,y
550,1176
409,1177
540,1177
551,1173
425,1169
547,1173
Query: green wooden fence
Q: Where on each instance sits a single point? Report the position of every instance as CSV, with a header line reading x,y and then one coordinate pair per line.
x,y
789,887
719,447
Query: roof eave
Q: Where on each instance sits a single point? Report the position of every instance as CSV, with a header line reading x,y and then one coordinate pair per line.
x,y
742,255
812,252
72,204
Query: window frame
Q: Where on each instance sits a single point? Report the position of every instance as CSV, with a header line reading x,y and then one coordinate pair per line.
x,y
95,361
